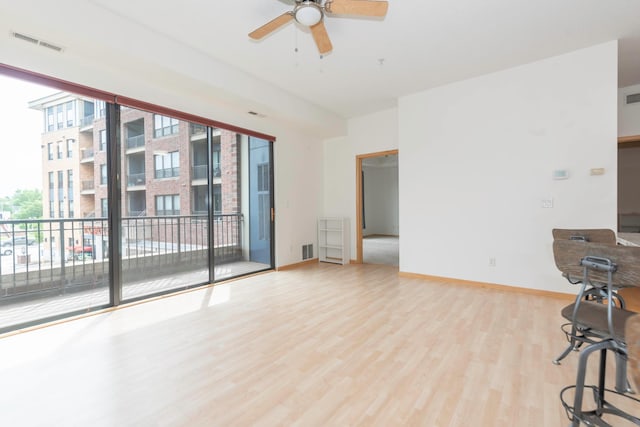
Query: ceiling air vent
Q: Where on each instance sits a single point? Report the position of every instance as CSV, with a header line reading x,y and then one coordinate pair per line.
x,y
633,98
25,38
34,40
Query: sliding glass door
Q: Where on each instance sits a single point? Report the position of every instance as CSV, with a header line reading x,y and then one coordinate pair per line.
x,y
102,203
243,202
53,236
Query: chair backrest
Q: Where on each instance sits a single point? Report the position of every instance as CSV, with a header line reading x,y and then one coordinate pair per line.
x,y
633,348
568,254
593,235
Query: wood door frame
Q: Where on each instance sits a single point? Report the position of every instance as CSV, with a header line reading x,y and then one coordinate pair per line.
x,y
358,224
625,139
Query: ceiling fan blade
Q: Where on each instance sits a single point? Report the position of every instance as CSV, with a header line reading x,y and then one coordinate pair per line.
x,y
357,7
321,37
271,26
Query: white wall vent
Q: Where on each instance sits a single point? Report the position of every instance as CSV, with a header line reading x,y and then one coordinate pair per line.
x,y
34,40
633,98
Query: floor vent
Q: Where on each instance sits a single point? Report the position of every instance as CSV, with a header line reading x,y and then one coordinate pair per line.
x,y
34,40
307,251
633,98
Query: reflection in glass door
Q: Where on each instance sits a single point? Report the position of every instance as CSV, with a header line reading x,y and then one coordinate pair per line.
x,y
242,193
259,201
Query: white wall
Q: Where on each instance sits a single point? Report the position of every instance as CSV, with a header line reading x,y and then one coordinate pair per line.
x,y
297,151
372,133
477,161
381,200
628,115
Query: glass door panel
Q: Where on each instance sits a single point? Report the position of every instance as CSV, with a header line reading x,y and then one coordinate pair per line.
x,y
164,217
242,203
53,258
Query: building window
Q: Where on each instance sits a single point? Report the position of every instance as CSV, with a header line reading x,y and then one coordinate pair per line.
x,y
200,199
59,145
104,208
167,165
52,206
103,139
50,150
60,116
70,183
103,174
71,116
70,193
100,108
70,148
60,194
217,199
216,160
168,205
50,120
163,126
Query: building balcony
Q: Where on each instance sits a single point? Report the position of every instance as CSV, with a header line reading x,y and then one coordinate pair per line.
x,y
197,131
87,155
136,180
86,123
87,187
135,142
199,172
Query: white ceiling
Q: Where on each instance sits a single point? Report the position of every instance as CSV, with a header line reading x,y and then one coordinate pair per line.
x,y
420,44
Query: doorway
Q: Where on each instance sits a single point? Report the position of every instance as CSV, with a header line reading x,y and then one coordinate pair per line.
x,y
377,212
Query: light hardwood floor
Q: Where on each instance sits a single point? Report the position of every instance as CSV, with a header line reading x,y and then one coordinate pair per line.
x,y
322,345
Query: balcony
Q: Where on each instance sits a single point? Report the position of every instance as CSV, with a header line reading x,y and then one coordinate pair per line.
x,y
167,173
86,123
200,172
135,142
39,266
197,131
87,155
88,187
136,179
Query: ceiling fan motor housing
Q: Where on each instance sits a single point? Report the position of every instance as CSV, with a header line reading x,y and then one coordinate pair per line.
x,y
308,12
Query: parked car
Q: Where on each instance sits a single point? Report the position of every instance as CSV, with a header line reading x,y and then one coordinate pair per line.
x,y
8,245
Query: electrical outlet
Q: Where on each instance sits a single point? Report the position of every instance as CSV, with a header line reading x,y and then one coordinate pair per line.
x,y
492,261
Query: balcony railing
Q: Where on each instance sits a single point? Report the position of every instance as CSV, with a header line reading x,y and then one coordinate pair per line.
x,y
167,173
49,257
135,179
198,129
87,185
200,172
135,141
87,154
87,121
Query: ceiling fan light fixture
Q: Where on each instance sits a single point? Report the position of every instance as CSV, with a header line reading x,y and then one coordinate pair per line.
x,y
308,13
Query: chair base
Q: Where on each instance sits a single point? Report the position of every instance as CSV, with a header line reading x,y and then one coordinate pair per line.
x,y
594,417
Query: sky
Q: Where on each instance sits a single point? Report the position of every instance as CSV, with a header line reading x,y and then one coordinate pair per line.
x,y
20,136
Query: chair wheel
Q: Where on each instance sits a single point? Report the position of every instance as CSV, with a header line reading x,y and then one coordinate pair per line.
x,y
556,362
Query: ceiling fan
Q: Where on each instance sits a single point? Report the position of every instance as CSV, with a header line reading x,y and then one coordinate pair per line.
x,y
311,13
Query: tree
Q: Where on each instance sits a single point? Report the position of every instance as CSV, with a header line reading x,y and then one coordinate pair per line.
x,y
26,204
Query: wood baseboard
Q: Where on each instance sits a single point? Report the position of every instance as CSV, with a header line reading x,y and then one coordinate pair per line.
x,y
492,286
297,264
